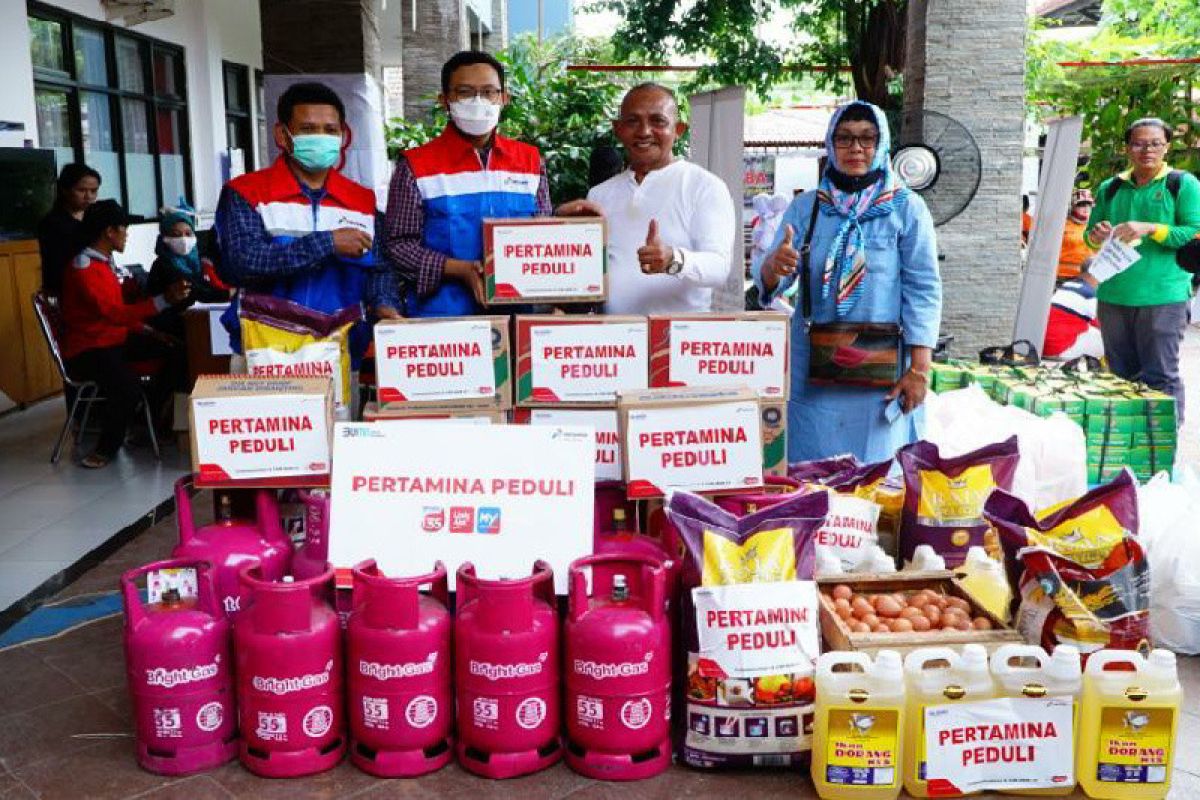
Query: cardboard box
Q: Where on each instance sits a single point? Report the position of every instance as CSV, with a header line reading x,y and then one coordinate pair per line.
x,y
609,462
545,260
252,431
702,439
440,360
748,348
476,413
579,360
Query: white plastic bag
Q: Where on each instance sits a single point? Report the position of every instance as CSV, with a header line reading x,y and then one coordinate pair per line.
x,y
1169,523
1053,465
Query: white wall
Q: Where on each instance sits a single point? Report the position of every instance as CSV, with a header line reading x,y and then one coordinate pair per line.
x,y
208,30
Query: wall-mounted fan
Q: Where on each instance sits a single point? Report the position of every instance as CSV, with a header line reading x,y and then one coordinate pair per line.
x,y
938,158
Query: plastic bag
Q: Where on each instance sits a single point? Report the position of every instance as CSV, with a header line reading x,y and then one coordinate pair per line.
x,y
1053,465
1169,514
749,623
851,529
285,339
944,496
1081,572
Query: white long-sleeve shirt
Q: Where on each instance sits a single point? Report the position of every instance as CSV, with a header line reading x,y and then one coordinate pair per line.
x,y
694,213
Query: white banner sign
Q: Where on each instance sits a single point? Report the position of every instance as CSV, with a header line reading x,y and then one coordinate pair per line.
x,y
434,361
1000,745
587,363
720,353
499,496
756,629
558,260
603,420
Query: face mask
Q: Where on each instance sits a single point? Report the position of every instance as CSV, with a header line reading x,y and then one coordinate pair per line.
x,y
316,151
180,245
476,116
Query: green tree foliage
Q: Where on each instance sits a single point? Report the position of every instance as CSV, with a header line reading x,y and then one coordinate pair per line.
x,y
730,37
564,114
1109,98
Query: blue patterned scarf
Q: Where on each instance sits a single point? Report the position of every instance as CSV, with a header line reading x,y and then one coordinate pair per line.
x,y
846,263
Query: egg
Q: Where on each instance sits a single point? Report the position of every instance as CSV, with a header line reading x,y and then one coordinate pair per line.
x,y
840,603
941,601
842,592
888,607
920,624
901,625
982,624
881,628
859,627
871,620
861,607
909,612
963,624
933,613
959,603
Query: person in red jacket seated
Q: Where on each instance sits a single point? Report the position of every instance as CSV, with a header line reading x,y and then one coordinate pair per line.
x,y
105,326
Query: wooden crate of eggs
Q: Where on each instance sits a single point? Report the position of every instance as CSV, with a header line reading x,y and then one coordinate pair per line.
x,y
904,611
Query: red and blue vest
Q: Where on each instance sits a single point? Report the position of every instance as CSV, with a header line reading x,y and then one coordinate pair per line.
x,y
287,213
458,191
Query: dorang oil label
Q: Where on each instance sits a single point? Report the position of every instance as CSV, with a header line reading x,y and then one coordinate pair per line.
x,y
862,747
1134,744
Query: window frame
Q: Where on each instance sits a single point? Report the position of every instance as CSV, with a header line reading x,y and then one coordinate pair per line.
x,y
243,118
69,82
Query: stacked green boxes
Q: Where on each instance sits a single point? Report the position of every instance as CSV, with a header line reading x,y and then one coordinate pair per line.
x,y
1126,424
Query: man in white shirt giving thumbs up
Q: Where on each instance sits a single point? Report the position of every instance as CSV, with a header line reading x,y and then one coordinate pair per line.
x,y
670,223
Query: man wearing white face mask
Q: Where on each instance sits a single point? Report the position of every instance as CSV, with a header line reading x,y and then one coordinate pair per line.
x,y
299,231
442,191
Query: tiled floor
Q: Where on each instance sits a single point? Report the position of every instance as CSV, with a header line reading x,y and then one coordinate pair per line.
x,y
65,732
51,516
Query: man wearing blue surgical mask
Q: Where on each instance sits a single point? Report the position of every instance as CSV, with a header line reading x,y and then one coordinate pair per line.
x,y
442,191
301,231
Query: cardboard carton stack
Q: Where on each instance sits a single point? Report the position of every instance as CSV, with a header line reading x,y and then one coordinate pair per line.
x,y
1126,424
570,369
442,368
748,349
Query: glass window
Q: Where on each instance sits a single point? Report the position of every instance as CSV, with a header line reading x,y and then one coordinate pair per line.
x,y
54,124
131,74
115,99
46,44
90,66
139,158
168,77
236,98
260,117
99,143
170,148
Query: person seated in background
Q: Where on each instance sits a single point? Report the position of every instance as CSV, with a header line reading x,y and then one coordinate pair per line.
x,y
105,332
178,257
58,231
1075,250
1072,330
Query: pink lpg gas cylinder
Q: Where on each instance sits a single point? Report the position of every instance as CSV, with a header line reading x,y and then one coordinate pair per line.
x,y
312,555
618,538
288,645
618,669
398,651
506,663
229,544
177,661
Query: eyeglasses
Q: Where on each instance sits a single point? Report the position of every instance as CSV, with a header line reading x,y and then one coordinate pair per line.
x,y
489,93
844,141
1148,147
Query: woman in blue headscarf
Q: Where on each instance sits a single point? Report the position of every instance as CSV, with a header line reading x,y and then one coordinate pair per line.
x,y
873,259
178,257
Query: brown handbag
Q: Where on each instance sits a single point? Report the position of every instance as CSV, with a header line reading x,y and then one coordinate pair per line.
x,y
847,353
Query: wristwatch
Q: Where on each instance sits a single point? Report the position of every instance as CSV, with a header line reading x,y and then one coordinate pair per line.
x,y
676,264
